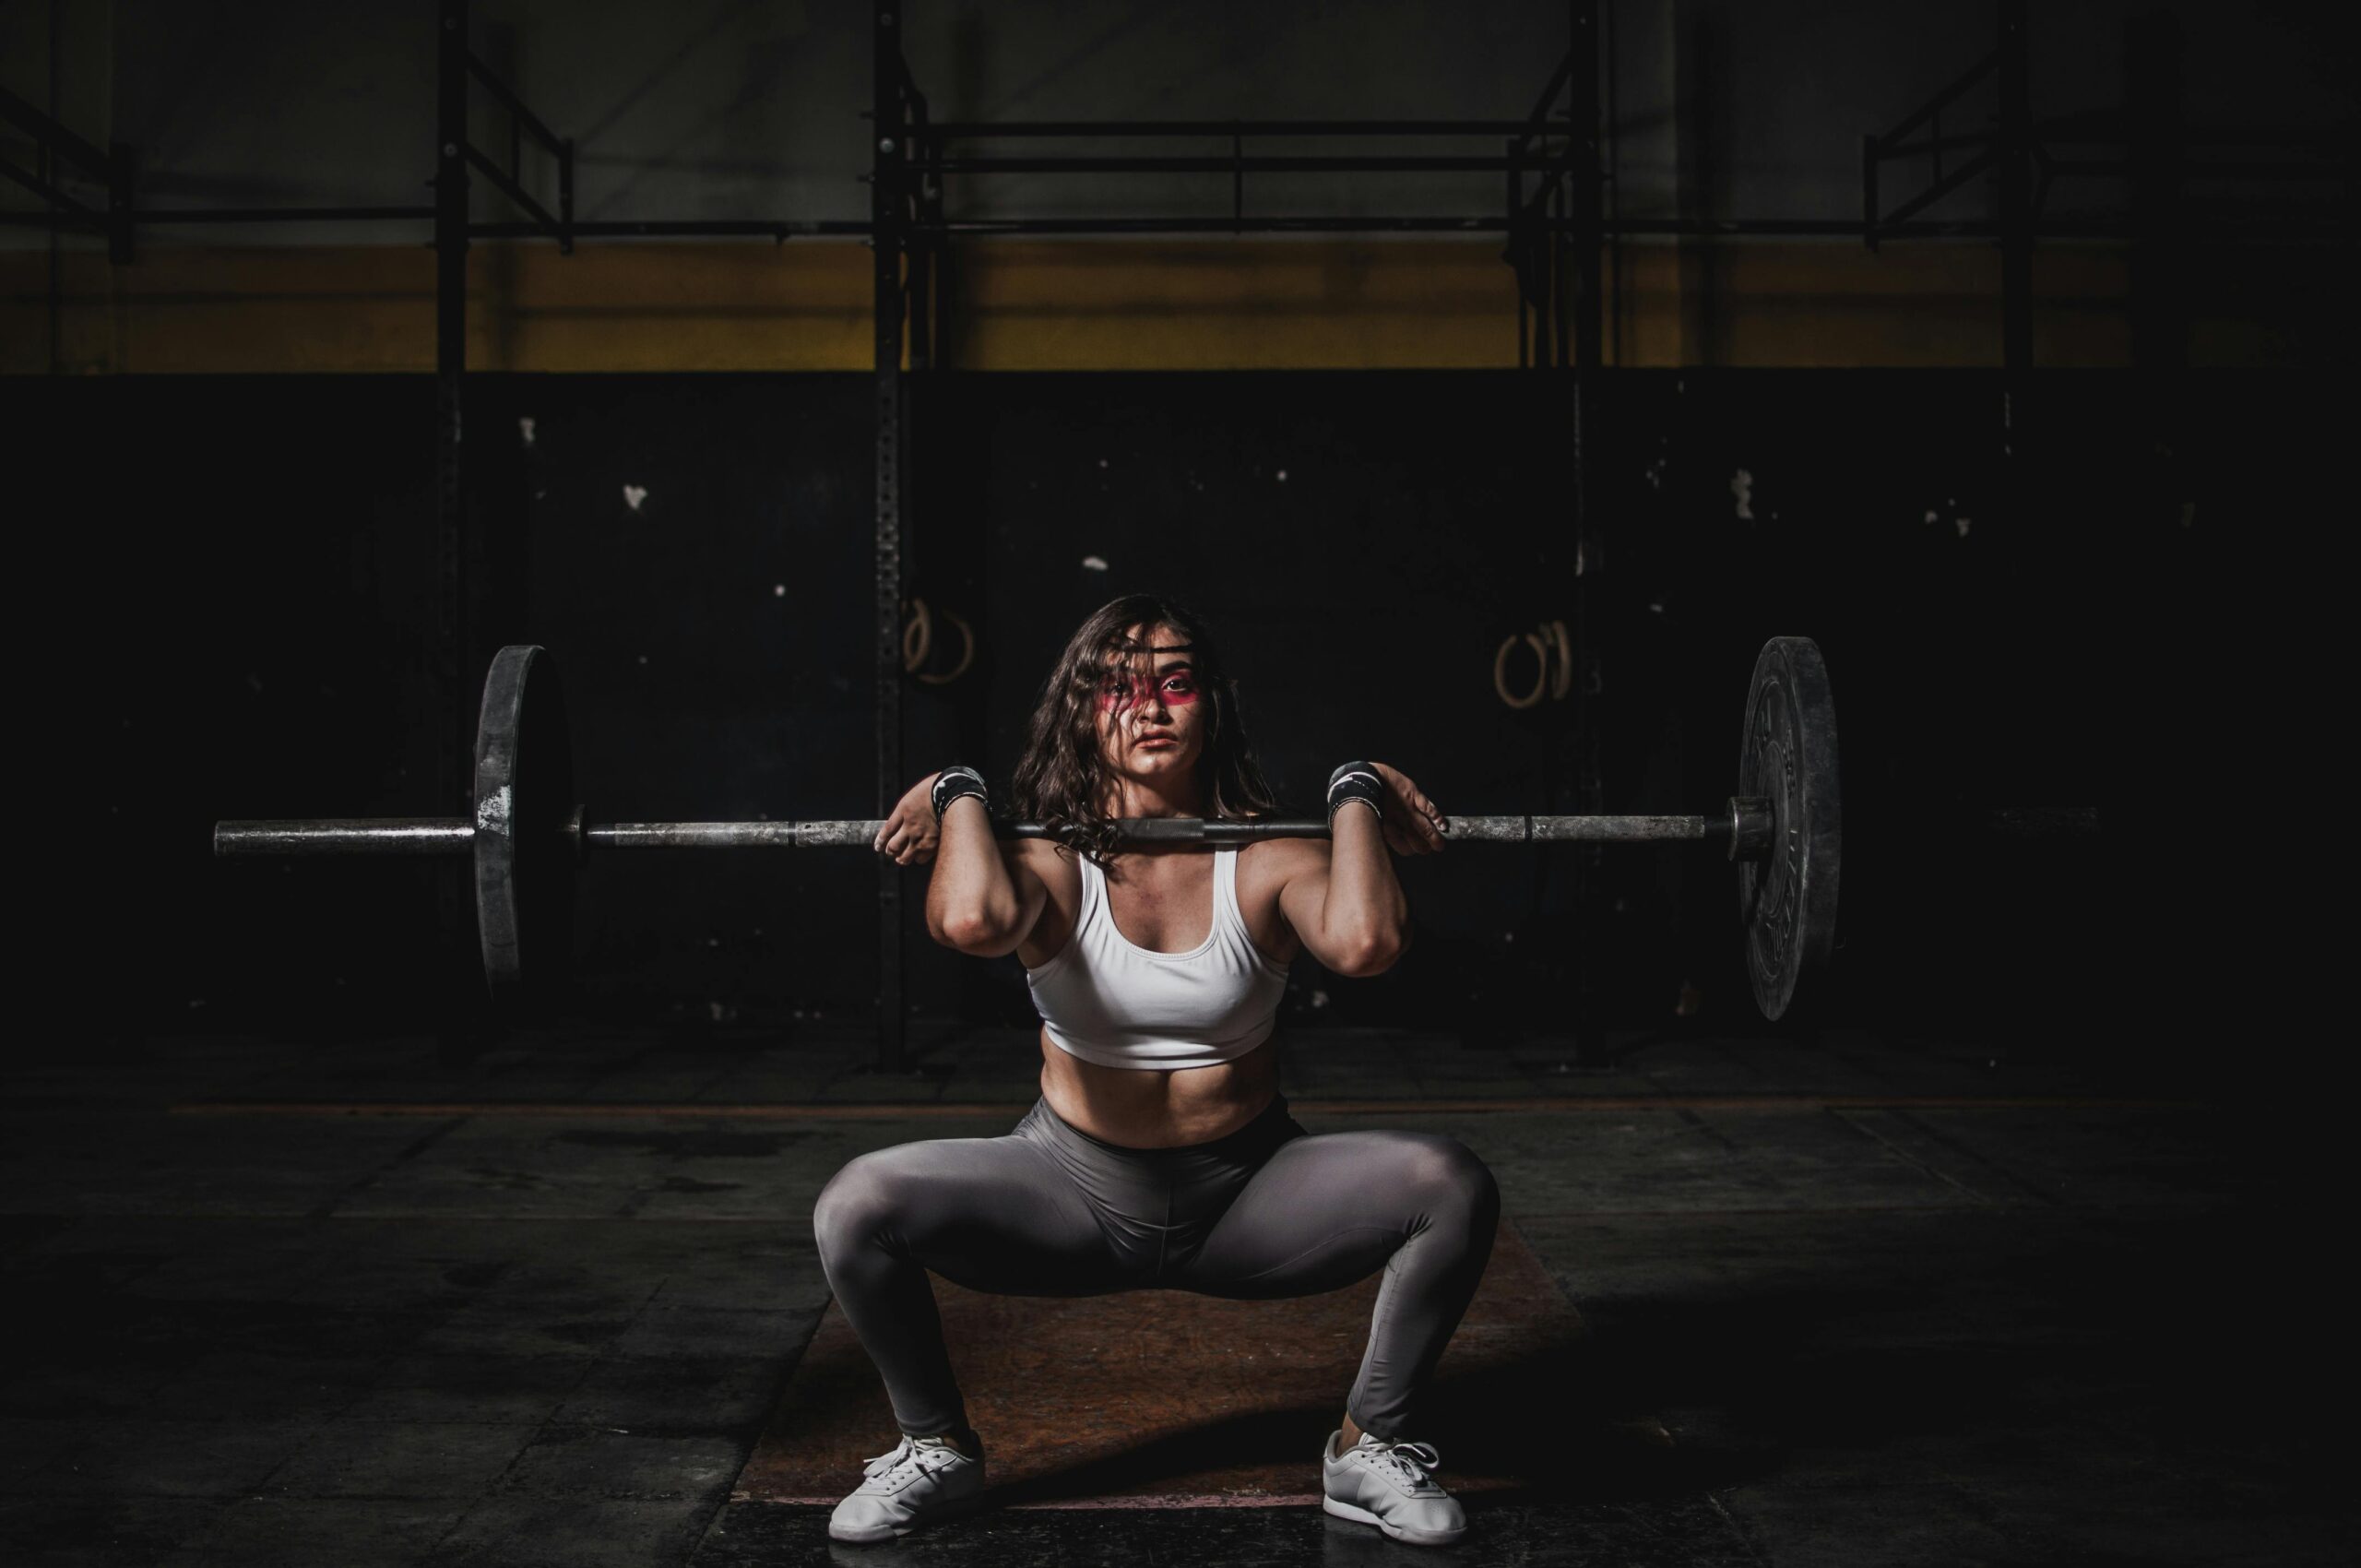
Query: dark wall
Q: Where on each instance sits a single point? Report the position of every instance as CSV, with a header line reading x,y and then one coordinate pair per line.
x,y
240,573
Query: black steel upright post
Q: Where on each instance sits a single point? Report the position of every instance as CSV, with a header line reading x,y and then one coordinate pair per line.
x,y
1509,252
2016,190
2012,71
888,151
924,196
2157,155
1583,188
565,197
1583,200
454,741
450,374
1549,255
122,172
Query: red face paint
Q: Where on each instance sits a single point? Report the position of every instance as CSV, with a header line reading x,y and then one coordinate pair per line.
x,y
1178,689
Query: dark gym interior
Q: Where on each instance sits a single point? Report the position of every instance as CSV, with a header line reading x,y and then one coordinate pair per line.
x,y
1497,382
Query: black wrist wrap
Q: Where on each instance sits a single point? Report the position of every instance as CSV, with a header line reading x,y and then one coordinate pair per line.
x,y
1355,781
954,781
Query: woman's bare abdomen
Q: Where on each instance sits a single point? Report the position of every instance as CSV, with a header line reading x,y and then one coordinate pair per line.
x,y
1159,1108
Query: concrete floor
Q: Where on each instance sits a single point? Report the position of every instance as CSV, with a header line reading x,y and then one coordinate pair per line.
x,y
1890,1301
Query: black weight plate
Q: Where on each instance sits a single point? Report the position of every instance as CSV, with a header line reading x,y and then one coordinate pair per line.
x,y
1787,752
524,854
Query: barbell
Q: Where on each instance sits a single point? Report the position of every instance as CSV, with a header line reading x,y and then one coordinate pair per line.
x,y
528,837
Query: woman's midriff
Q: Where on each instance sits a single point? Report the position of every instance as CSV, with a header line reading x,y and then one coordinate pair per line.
x,y
1159,1108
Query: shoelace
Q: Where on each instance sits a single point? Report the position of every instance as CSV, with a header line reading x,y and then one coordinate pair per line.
x,y
1412,1461
905,1453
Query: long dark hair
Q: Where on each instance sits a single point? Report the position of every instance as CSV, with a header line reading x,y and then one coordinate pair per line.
x,y
1062,777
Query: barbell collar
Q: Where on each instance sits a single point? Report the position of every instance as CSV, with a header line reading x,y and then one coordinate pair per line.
x,y
1751,827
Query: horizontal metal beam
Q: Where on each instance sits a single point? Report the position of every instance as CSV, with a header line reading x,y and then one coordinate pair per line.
x,y
1401,225
783,229
2258,225
1307,163
282,214
775,229
964,130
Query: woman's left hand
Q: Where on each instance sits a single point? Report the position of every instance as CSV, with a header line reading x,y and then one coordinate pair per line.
x,y
1412,824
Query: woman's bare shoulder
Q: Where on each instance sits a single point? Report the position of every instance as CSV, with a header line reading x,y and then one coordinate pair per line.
x,y
1043,856
1286,854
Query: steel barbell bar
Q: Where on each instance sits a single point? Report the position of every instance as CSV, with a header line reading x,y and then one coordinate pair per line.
x,y
1783,829
1745,827
528,837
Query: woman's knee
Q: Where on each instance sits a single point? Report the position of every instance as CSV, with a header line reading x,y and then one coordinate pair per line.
x,y
1450,1175
860,1202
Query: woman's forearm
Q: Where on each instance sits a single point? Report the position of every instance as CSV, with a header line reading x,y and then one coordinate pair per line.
x,y
1366,907
969,899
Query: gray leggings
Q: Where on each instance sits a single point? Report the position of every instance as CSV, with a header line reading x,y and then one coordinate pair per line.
x,y
1267,1211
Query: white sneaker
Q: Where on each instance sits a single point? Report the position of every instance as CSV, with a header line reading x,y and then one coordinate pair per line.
x,y
1387,1484
922,1481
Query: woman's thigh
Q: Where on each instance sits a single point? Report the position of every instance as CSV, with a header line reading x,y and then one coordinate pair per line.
x,y
1329,1209
990,1213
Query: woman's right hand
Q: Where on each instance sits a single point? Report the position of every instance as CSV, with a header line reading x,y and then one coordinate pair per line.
x,y
911,833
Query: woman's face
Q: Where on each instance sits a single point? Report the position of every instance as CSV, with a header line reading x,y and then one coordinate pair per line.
x,y
1151,714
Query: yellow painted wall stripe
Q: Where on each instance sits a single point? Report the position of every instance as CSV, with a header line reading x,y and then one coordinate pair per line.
x,y
1041,304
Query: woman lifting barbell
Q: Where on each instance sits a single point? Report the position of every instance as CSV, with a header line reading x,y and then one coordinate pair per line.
x,y
1160,1154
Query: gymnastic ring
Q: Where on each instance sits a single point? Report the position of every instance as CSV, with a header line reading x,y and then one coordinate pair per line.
x,y
920,627
966,652
1563,681
1501,670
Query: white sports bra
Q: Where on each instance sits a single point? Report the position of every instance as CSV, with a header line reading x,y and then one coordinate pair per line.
x,y
1108,1001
